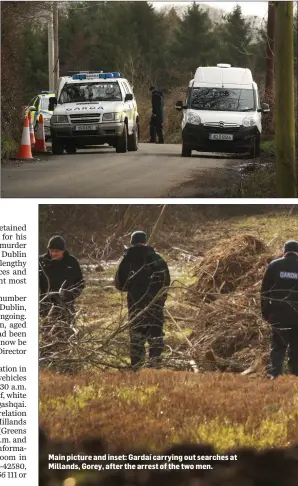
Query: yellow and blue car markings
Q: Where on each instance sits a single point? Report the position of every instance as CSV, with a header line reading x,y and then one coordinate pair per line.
x,y
37,102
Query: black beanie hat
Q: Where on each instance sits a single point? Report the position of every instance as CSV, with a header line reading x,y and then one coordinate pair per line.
x,y
57,243
138,237
291,246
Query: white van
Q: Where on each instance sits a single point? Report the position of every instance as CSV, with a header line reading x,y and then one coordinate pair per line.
x,y
222,112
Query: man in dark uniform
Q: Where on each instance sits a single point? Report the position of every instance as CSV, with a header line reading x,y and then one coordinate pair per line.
x,y
60,278
144,275
156,122
279,304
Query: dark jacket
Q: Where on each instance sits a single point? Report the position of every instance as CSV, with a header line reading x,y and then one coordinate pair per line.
x,y
157,104
53,273
279,292
142,273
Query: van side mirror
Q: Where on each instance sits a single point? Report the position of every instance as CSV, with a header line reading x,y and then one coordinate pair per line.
x,y
32,108
52,103
180,106
264,108
128,97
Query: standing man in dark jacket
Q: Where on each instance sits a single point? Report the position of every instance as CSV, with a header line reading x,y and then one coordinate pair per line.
x,y
144,275
59,273
279,304
156,122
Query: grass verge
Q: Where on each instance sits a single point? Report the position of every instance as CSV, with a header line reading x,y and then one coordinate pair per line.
x,y
154,409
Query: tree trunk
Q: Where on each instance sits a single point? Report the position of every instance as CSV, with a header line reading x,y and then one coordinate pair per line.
x,y
270,53
284,106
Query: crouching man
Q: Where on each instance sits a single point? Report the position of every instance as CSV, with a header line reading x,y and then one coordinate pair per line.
x,y
144,275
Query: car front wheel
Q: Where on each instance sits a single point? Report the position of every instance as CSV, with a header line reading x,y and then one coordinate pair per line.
x,y
57,146
122,142
133,140
70,148
186,152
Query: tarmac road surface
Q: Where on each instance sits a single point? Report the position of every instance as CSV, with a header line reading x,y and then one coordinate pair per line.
x,y
153,171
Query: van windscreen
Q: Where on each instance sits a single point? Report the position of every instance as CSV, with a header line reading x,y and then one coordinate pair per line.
x,y
222,99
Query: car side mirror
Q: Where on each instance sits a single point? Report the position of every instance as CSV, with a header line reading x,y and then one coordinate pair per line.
x,y
264,108
52,103
128,97
32,108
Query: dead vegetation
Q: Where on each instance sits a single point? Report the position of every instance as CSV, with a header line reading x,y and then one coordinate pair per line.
x,y
229,333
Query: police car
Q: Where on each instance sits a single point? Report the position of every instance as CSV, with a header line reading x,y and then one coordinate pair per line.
x,y
40,105
94,109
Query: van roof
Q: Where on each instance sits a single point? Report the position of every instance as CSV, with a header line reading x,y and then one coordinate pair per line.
x,y
222,75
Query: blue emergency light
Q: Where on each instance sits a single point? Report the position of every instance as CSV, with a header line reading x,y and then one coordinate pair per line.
x,y
99,75
79,76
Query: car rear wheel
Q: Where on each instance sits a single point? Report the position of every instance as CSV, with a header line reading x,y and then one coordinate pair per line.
x,y
122,142
57,146
186,151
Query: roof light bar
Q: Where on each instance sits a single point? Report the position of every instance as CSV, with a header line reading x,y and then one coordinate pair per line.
x,y
100,75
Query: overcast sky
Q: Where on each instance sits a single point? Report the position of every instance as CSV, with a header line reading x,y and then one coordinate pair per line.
x,y
248,8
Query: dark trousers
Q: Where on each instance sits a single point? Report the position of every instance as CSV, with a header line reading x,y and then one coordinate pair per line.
x,y
149,327
284,338
156,128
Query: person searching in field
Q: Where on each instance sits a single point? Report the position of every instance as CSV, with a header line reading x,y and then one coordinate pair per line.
x,y
145,276
60,277
279,305
157,117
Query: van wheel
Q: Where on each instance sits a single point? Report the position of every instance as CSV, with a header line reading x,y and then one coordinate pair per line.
x,y
133,140
122,142
70,148
186,152
255,151
57,146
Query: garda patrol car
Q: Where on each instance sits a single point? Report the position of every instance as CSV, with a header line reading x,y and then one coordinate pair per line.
x,y
223,112
40,105
94,109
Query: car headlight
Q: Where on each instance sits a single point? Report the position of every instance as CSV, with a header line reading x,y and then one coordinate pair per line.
x,y
193,119
249,122
111,117
59,119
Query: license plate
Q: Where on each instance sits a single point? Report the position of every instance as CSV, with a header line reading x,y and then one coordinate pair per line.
x,y
220,136
86,127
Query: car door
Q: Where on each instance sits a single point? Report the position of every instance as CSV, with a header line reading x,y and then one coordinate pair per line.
x,y
128,108
134,104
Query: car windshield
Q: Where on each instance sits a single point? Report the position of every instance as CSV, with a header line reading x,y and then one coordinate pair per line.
x,y
222,99
90,92
44,104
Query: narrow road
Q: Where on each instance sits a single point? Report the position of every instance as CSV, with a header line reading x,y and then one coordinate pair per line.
x,y
99,172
